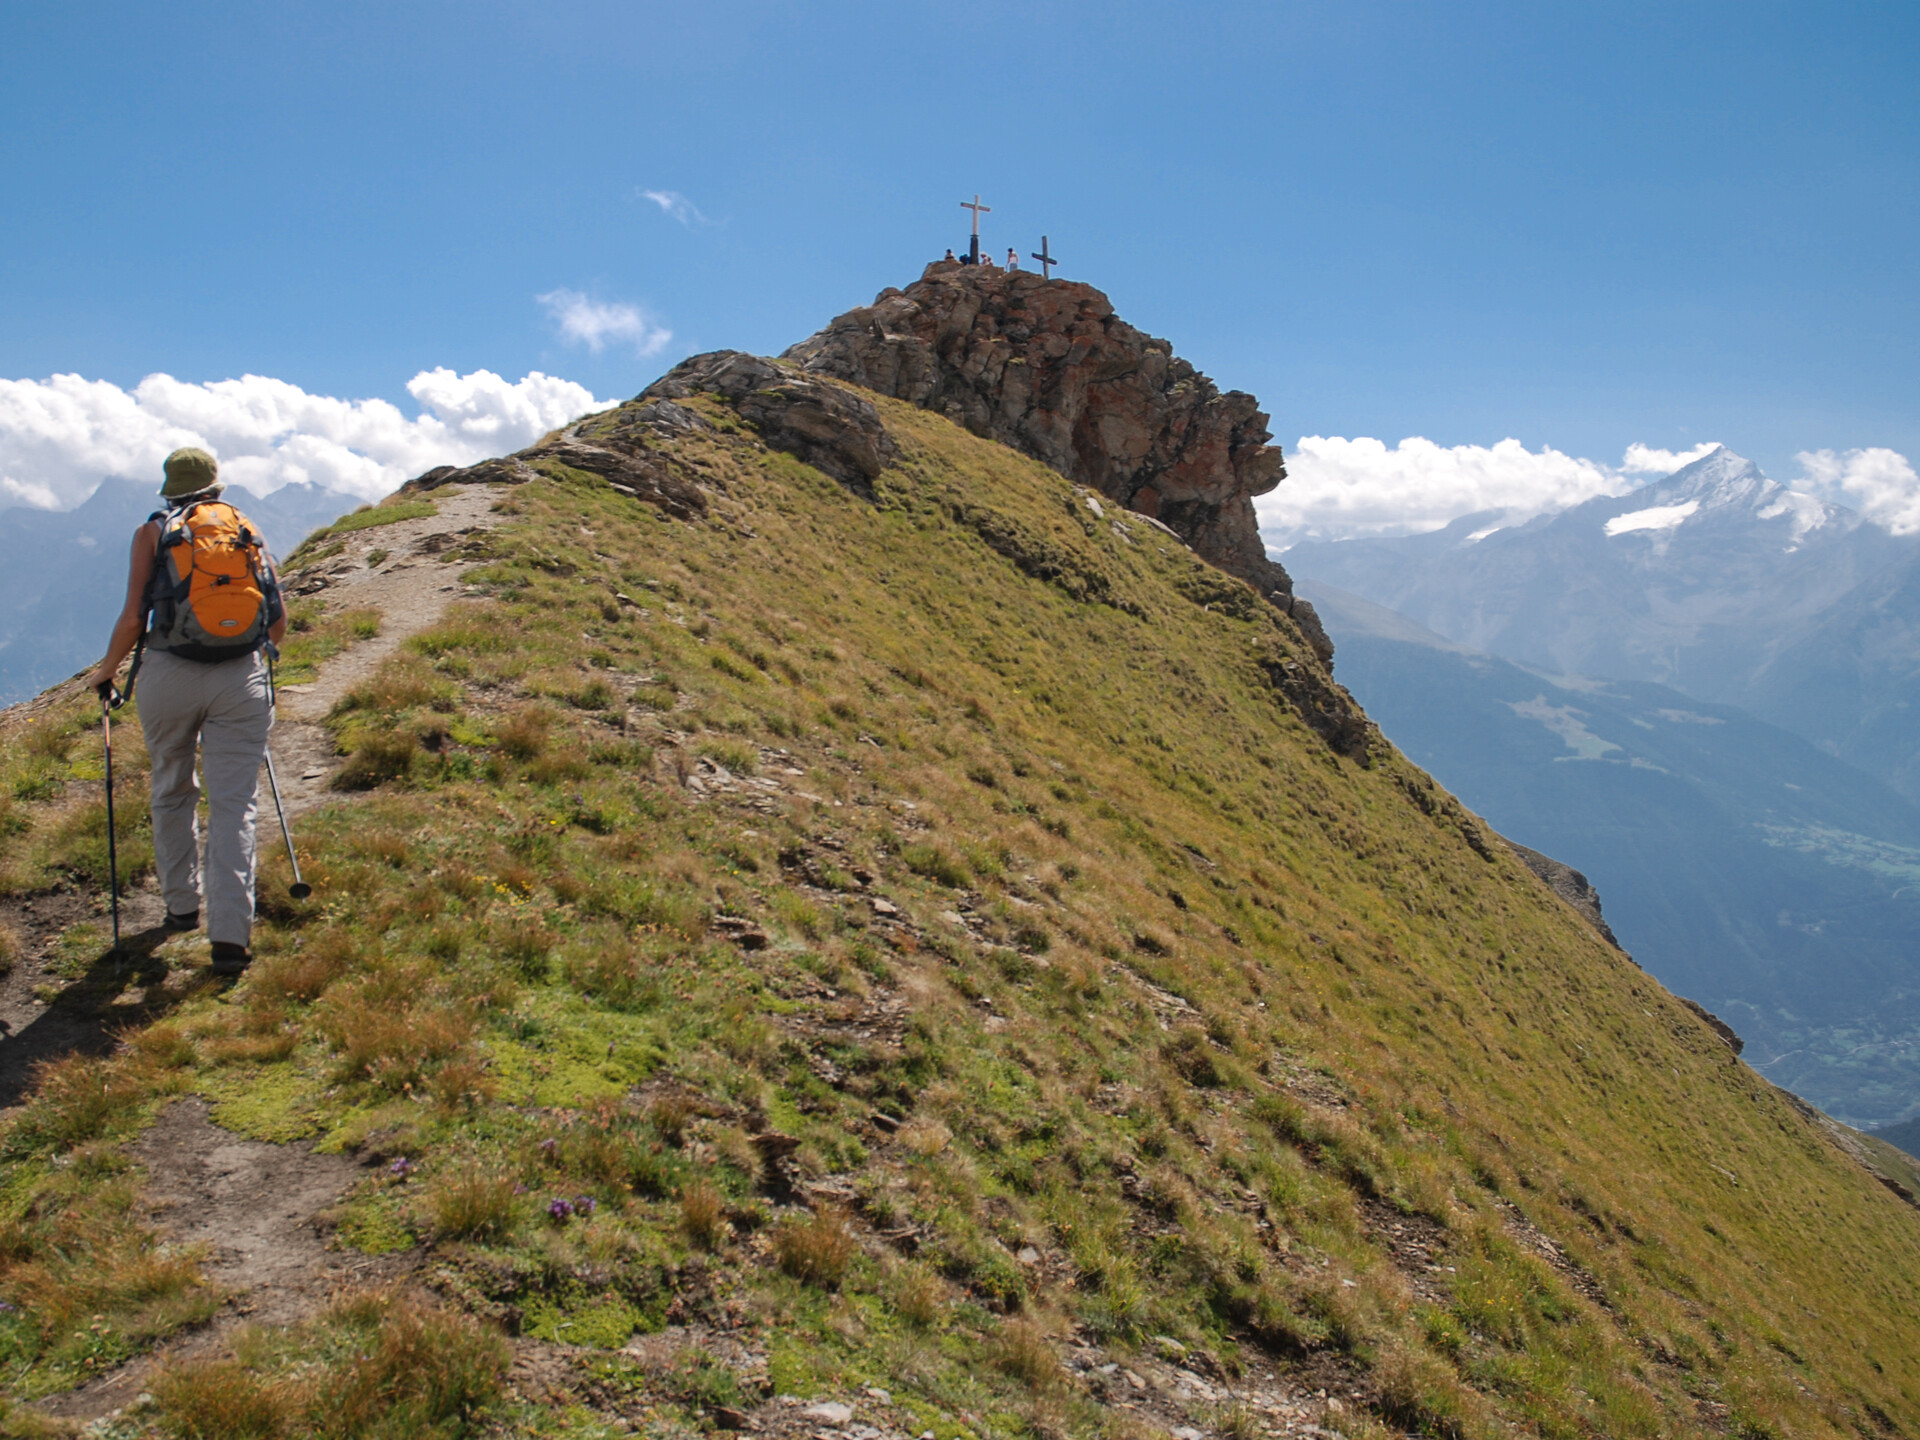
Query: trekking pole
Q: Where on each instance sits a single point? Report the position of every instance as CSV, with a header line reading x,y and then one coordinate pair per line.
x,y
108,699
299,890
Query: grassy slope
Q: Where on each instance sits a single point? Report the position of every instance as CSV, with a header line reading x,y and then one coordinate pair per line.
x,y
1230,1008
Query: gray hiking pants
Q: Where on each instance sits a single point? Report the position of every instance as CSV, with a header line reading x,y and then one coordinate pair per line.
x,y
221,708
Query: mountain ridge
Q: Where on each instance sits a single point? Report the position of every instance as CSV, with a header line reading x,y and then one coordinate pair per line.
x,y
801,945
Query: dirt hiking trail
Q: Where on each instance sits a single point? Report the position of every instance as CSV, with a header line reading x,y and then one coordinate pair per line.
x,y
252,1207
411,588
256,1208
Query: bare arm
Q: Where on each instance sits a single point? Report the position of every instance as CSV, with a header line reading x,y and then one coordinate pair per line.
x,y
127,629
278,629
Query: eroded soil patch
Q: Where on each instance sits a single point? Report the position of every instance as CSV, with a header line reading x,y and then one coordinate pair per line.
x,y
254,1208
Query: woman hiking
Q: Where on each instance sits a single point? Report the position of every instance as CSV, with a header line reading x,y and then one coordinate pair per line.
x,y
203,600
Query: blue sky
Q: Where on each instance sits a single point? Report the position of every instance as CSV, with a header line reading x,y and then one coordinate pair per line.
x,y
1579,225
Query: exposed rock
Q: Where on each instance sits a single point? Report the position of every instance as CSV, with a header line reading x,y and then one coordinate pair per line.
x,y
1715,1024
1046,367
741,931
640,473
618,457
1574,888
662,417
508,470
1327,708
828,427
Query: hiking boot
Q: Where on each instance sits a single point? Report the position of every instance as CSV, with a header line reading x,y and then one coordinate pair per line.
x,y
230,959
174,924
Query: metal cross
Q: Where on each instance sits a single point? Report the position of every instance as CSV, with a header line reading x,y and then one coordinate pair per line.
x,y
973,252
1047,262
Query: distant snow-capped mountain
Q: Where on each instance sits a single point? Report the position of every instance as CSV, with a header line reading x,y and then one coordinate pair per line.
x,y
1711,581
1724,491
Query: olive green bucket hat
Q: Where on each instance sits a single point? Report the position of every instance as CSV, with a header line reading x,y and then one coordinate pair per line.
x,y
190,471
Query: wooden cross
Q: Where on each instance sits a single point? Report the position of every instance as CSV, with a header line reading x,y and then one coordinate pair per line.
x,y
973,256
1047,262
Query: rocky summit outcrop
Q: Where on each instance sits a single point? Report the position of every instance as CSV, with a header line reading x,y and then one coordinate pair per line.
x,y
832,430
1046,367
826,425
617,455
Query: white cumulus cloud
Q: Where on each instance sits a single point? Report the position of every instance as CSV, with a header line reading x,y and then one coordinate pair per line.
x,y
1879,483
61,436
1338,488
675,205
1646,460
594,323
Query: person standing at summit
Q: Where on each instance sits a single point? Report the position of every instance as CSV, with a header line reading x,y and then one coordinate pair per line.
x,y
203,600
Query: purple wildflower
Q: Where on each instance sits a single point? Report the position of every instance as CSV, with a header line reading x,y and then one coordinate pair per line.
x,y
560,1210
400,1169
584,1204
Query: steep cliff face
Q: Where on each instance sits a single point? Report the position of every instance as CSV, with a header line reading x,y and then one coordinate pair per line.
x,y
1046,367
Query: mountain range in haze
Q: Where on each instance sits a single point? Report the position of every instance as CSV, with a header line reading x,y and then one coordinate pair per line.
x,y
1716,581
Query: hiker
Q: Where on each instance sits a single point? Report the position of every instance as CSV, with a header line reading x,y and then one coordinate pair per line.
x,y
1013,261
949,252
200,615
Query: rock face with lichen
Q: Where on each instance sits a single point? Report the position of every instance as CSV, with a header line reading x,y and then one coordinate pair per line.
x,y
1046,367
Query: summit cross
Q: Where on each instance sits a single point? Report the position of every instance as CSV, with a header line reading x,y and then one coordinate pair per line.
x,y
973,255
1047,262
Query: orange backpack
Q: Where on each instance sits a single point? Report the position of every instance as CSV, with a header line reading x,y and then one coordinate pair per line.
x,y
213,593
